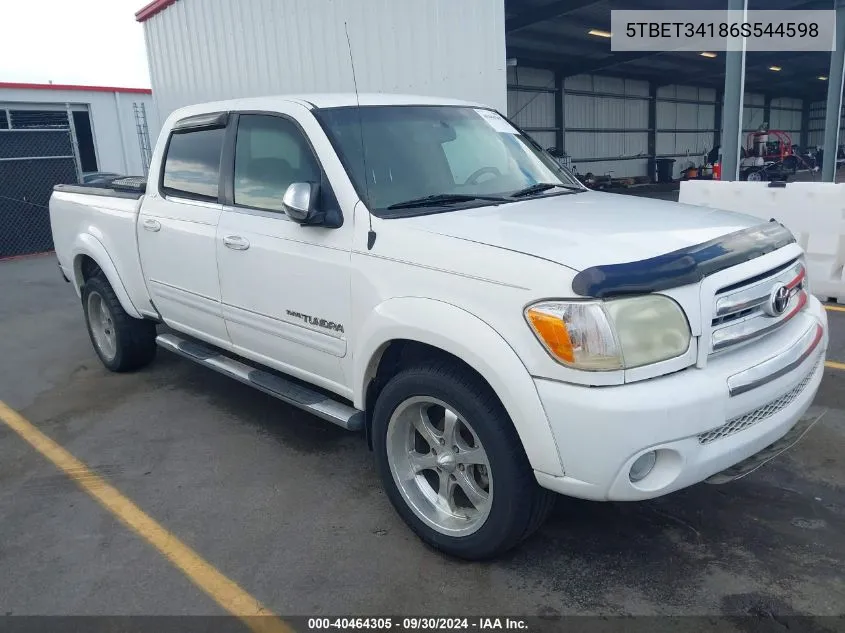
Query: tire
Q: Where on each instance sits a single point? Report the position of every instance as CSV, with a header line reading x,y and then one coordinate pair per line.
x,y
755,175
515,504
122,342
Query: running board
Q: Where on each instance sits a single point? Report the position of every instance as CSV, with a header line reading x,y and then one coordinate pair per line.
x,y
286,390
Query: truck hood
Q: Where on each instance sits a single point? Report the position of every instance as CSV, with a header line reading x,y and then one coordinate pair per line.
x,y
586,229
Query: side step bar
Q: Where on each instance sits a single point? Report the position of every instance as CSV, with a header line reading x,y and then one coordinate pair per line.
x,y
286,390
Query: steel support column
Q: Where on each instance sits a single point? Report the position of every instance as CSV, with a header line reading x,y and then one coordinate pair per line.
x,y
734,92
805,123
717,120
833,110
559,131
652,130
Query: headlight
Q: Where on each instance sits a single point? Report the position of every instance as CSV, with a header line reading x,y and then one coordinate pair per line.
x,y
614,334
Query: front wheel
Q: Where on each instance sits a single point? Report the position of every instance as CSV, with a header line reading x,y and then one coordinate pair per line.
x,y
452,463
123,343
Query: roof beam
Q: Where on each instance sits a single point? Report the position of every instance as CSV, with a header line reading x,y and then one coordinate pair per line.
x,y
546,12
608,62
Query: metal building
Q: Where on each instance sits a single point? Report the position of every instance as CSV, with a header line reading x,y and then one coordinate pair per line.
x,y
203,51
547,64
51,134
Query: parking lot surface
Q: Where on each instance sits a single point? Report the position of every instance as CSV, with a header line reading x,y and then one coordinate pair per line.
x,y
289,507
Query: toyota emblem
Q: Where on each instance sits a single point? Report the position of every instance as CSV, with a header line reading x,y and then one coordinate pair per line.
x,y
778,300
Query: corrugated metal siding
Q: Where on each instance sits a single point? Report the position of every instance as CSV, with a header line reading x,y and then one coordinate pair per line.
x,y
685,129
753,114
533,111
597,124
816,124
201,50
606,123
786,115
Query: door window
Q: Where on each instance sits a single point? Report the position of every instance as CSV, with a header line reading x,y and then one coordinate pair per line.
x,y
192,164
270,154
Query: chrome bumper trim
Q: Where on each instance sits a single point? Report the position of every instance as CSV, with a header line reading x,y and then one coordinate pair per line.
x,y
778,365
792,437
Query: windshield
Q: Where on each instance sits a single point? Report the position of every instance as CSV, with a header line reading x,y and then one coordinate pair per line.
x,y
445,153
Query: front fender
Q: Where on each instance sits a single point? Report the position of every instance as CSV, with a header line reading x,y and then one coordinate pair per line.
x,y
87,244
454,330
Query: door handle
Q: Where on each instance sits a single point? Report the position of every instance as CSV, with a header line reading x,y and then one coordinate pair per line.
x,y
152,225
235,242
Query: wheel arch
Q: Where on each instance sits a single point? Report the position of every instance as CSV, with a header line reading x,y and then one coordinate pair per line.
x,y
89,255
410,328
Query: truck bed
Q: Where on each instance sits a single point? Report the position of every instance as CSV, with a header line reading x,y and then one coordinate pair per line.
x,y
99,220
127,187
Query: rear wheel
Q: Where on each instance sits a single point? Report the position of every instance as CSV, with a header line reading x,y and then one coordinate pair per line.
x,y
123,343
755,175
452,463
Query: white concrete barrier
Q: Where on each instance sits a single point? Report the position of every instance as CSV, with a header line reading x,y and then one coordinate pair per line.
x,y
813,211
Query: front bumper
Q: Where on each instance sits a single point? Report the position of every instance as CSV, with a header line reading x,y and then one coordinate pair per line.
x,y
690,419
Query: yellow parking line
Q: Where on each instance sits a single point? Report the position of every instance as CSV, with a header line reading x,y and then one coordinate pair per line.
x,y
202,573
834,308
834,364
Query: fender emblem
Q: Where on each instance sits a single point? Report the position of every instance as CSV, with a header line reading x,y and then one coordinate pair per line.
x,y
316,321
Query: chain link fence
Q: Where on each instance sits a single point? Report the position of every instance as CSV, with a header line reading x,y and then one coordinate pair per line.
x,y
37,150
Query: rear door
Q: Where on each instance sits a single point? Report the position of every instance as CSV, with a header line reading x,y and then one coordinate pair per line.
x,y
177,230
285,288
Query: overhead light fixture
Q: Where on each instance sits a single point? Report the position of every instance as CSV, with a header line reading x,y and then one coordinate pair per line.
x,y
775,68
599,33
707,54
822,78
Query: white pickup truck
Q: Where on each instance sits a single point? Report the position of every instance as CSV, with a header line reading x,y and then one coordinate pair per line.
x,y
420,270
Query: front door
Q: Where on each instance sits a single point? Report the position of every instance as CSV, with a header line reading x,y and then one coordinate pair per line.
x,y
284,287
177,231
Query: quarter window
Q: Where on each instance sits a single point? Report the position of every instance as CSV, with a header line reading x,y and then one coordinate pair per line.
x,y
192,164
270,154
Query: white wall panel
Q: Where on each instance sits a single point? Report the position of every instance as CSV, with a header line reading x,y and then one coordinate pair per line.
x,y
786,102
599,112
203,50
586,145
583,111
753,113
686,129
579,82
816,124
535,77
530,109
112,121
786,115
614,168
788,120
691,93
753,99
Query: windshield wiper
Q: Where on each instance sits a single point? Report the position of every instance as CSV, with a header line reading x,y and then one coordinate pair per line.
x,y
540,187
443,199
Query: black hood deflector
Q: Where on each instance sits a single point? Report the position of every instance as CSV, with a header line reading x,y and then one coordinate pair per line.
x,y
685,266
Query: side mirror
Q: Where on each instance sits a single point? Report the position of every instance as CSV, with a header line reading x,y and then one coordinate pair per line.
x,y
300,202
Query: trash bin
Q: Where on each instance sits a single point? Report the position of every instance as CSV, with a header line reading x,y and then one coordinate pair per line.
x,y
664,169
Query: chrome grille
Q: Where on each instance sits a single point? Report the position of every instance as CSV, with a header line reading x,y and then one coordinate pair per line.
x,y
746,420
742,312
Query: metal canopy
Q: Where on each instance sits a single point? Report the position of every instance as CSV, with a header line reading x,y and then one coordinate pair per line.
x,y
553,34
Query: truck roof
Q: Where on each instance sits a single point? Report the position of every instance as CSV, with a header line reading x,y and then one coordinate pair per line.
x,y
318,101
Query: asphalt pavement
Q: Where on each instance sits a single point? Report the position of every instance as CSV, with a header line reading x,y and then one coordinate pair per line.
x,y
290,508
